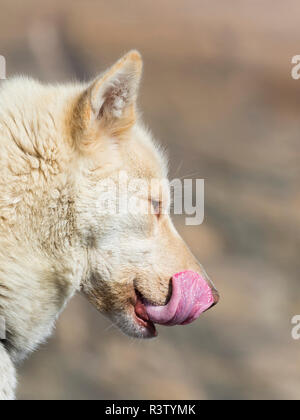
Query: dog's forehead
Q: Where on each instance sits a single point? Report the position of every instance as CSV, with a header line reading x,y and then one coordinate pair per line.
x,y
146,158
146,161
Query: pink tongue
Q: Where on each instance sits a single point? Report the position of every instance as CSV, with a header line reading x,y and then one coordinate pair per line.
x,y
191,296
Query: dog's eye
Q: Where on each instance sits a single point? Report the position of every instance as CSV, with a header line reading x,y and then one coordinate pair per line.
x,y
156,207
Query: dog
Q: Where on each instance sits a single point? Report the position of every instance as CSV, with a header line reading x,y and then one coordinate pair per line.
x,y
57,144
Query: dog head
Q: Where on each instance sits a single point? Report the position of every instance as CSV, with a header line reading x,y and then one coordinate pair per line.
x,y
134,252
71,148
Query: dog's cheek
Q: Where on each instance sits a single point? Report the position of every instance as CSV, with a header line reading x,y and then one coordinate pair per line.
x,y
110,297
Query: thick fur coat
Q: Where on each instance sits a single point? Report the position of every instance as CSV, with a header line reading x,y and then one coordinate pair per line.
x,y
57,142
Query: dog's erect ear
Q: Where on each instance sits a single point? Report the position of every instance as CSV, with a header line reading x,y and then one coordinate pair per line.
x,y
108,105
116,91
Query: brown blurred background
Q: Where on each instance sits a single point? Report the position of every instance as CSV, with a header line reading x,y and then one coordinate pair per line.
x,y
218,93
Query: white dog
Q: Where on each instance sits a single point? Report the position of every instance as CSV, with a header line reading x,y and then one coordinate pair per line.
x,y
57,143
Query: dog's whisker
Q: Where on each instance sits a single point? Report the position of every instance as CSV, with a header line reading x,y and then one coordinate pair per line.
x,y
178,168
109,327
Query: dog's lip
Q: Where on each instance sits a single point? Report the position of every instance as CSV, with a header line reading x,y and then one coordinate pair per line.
x,y
141,315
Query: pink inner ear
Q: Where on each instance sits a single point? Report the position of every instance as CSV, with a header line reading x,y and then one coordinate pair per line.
x,y
191,296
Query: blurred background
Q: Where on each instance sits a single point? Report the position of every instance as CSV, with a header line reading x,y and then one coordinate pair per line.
x,y
217,91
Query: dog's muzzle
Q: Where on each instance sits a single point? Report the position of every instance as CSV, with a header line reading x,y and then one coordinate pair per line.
x,y
191,296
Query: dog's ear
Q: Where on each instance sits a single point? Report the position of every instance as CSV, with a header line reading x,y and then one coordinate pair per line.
x,y
107,106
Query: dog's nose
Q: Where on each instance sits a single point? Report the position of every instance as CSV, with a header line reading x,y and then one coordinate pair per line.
x,y
216,297
215,293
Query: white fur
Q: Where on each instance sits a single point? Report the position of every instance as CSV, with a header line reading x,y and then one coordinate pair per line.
x,y
55,148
